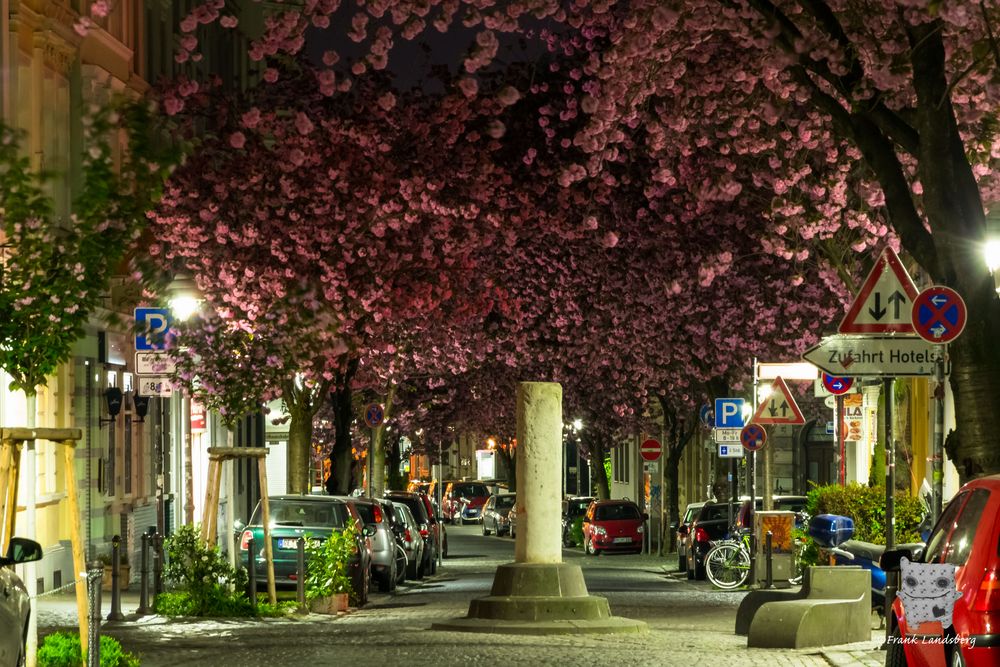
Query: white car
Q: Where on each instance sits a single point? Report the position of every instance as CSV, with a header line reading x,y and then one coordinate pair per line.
x,y
14,607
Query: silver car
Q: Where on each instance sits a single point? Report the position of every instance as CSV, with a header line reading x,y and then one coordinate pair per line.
x,y
386,558
413,543
14,607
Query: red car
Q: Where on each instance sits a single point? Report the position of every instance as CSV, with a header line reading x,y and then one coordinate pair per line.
x,y
613,525
968,536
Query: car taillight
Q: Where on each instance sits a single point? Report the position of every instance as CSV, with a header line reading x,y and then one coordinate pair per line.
x,y
407,536
424,530
700,535
988,596
245,540
378,514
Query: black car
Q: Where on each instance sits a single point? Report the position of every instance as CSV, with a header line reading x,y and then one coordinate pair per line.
x,y
572,509
430,525
711,523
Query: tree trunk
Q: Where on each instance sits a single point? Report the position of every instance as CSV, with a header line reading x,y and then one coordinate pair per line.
x,y
598,472
377,451
673,498
509,460
300,430
341,479
394,458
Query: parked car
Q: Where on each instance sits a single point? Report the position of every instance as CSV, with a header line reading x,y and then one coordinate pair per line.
x,y
682,529
463,501
710,524
413,544
495,513
572,509
966,536
512,521
387,560
14,605
293,517
430,528
613,525
797,504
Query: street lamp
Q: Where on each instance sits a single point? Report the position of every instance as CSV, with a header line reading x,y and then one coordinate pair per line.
x,y
184,299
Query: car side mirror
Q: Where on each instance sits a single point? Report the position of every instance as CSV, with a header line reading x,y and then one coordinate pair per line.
x,y
683,530
23,550
890,559
238,526
645,516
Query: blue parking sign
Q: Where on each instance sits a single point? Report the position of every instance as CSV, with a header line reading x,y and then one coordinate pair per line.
x,y
151,327
729,413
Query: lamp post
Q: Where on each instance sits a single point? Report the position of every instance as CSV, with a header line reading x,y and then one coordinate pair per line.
x,y
184,299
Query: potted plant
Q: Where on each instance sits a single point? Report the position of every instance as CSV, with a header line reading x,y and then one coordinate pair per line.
x,y
123,571
328,585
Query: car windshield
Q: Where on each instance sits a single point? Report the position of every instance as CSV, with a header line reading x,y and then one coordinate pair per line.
x,y
416,507
690,514
616,513
713,512
471,491
366,511
577,507
504,502
790,504
303,513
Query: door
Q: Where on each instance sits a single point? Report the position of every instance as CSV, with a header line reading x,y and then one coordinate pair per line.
x,y
821,468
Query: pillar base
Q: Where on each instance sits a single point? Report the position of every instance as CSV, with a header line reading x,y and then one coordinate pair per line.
x,y
540,599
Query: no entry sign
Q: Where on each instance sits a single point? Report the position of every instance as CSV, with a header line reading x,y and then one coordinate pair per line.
x,y
650,450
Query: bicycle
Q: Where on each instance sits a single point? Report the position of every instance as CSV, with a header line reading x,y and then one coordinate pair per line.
x,y
727,563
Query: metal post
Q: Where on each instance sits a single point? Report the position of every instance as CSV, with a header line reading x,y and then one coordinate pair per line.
x,y
888,385
752,484
116,595
768,572
838,450
157,564
252,571
371,463
300,571
95,572
440,525
937,453
144,576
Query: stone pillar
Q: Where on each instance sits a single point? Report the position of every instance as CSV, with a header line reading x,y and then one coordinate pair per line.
x,y
539,437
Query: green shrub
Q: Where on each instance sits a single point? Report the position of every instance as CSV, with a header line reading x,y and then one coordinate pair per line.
x,y
213,587
63,649
326,563
576,531
866,506
281,608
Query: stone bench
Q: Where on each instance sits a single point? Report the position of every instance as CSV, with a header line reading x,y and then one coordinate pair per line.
x,y
833,607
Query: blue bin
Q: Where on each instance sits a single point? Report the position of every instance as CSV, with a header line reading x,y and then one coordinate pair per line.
x,y
830,530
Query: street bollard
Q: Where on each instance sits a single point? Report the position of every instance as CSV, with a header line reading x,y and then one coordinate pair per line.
x,y
252,572
95,573
157,564
768,573
300,572
116,594
144,577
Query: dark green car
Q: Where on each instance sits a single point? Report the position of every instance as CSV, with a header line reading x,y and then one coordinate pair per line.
x,y
293,517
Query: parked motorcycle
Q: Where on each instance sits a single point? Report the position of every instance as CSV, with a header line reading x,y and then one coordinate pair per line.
x,y
833,534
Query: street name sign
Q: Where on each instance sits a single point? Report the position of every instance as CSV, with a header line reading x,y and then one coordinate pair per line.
x,y
778,407
860,356
721,435
152,385
731,451
939,314
885,301
154,363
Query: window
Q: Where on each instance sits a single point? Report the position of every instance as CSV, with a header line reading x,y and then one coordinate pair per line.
x,y
936,541
305,513
960,543
616,513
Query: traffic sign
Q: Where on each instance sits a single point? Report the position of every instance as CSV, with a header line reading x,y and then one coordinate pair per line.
x,y
730,451
778,407
753,437
885,300
151,326
836,384
154,363
862,356
939,314
151,385
650,450
374,415
706,415
721,435
729,413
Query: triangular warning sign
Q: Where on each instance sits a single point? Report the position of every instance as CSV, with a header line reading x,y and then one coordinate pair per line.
x,y
778,407
885,302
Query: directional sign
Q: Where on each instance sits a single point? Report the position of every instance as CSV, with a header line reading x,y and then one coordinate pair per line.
x,y
778,407
862,356
729,413
721,435
374,415
884,303
837,385
731,451
753,437
650,450
154,363
939,314
151,326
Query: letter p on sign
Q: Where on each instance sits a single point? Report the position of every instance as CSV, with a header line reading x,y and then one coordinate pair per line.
x,y
729,413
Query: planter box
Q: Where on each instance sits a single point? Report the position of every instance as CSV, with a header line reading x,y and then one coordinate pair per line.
x,y
329,605
123,574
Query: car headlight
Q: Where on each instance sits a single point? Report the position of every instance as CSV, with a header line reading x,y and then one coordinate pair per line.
x,y
599,530
641,530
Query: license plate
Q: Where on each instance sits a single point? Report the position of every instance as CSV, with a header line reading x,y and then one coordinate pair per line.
x,y
288,543
622,540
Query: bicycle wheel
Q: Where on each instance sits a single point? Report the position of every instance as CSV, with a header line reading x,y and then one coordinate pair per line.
x,y
727,565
